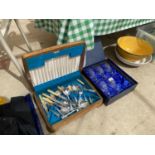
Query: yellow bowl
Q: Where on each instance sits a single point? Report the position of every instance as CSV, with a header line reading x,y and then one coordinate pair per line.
x,y
128,56
3,100
134,46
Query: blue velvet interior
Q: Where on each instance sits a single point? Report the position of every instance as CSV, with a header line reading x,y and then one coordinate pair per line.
x,y
107,78
70,79
39,61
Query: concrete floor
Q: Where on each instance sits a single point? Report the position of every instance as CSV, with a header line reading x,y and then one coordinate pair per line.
x,y
132,114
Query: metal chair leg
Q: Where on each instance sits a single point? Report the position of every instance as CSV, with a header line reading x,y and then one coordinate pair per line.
x,y
23,35
12,57
5,29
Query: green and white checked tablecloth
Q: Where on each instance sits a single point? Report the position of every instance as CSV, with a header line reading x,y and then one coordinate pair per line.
x,y
70,30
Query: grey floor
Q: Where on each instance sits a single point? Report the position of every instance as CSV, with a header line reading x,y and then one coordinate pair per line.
x,y
132,114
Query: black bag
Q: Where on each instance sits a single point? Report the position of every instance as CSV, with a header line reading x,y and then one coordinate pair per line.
x,y
19,117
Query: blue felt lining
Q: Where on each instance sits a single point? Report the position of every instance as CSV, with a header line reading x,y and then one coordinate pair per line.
x,y
39,61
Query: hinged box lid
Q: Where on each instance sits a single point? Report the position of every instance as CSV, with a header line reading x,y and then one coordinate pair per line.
x,y
54,62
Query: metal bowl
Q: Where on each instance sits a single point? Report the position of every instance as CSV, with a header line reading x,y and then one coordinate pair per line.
x,y
134,63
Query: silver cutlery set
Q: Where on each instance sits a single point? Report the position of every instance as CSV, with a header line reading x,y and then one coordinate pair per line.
x,y
67,100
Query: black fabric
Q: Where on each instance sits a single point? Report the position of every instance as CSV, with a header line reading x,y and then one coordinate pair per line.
x,y
16,118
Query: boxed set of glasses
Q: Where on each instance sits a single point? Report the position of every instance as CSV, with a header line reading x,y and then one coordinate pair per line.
x,y
63,90
110,80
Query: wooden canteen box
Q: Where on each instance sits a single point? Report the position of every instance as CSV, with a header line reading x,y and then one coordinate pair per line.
x,y
58,85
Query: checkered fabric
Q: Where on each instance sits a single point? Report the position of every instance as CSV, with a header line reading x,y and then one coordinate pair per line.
x,y
70,30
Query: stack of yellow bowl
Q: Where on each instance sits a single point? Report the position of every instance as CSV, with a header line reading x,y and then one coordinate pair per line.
x,y
133,49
